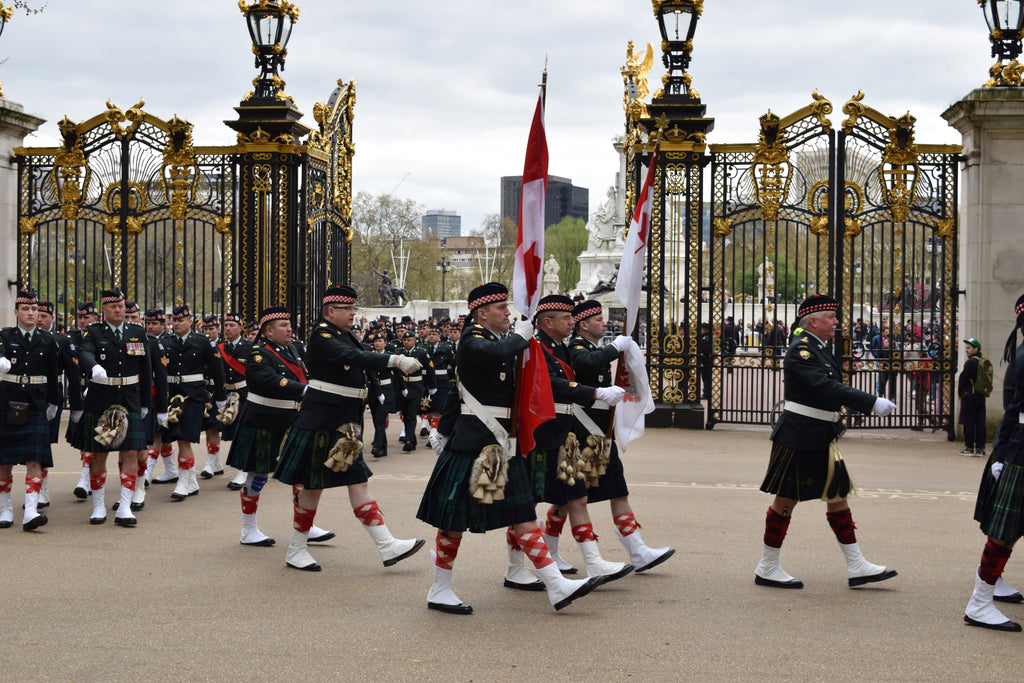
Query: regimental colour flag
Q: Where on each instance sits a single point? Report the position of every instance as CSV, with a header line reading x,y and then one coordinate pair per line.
x,y
528,273
628,286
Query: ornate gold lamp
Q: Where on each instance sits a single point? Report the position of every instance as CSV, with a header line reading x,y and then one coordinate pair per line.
x,y
1005,19
270,25
677,20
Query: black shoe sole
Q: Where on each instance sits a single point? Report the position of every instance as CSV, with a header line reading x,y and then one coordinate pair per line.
x,y
81,493
531,587
97,520
34,523
322,539
794,583
166,481
265,543
608,578
590,585
861,580
125,521
41,505
135,507
570,571
235,487
655,563
179,496
6,525
1015,598
395,560
205,475
460,608
1005,626
309,568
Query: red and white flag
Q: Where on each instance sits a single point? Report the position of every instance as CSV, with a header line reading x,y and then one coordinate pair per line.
x,y
628,286
528,274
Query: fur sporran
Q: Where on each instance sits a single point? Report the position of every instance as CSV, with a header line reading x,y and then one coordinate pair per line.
x,y
345,449
112,427
489,475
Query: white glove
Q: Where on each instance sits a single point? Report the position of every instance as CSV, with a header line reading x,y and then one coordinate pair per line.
x,y
610,395
76,415
381,399
524,328
98,372
5,365
407,364
431,392
51,412
144,412
621,342
161,418
220,404
405,392
997,469
437,441
883,406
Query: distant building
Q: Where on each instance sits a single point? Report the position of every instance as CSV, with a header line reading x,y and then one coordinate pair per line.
x,y
438,224
563,199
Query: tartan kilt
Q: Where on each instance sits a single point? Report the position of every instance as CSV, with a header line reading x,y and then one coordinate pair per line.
x,y
986,491
544,480
447,503
210,421
149,426
134,440
28,443
189,426
303,453
255,450
802,474
437,401
230,432
72,432
54,425
1005,520
612,483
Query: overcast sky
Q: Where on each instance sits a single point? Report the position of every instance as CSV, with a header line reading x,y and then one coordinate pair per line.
x,y
446,89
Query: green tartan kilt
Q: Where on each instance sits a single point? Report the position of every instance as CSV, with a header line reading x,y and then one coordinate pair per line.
x,y
801,474
302,461
189,425
29,442
1005,520
72,432
210,420
229,432
134,440
447,504
612,483
255,450
544,481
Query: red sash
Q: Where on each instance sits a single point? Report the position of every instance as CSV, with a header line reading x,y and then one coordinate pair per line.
x,y
565,366
296,369
232,362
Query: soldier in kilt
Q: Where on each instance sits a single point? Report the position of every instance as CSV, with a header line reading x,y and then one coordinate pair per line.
x,y
158,392
85,315
114,357
333,405
592,365
67,364
211,422
156,449
486,367
276,380
28,400
568,498
191,361
805,461
234,349
999,508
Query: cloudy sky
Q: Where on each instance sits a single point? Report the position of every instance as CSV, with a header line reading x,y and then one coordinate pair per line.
x,y
446,89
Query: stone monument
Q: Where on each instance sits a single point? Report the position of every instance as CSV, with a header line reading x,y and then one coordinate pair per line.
x,y
550,283
606,230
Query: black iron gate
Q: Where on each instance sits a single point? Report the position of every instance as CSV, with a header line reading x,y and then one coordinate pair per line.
x,y
884,245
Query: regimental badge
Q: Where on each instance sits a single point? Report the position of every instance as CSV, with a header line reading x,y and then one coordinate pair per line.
x,y
501,376
805,354
600,378
284,382
325,334
572,384
14,360
348,367
162,360
257,357
216,354
103,356
430,363
803,339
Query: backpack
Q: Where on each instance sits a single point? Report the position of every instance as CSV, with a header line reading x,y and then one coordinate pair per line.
x,y
983,380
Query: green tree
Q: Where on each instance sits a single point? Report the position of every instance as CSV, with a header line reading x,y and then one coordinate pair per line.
x,y
566,240
387,225
786,285
497,261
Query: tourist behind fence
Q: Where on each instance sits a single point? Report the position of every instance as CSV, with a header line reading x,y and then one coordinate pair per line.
x,y
973,386
805,460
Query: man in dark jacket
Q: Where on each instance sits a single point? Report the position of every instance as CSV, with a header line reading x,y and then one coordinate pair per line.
x,y
414,387
805,460
972,403
67,364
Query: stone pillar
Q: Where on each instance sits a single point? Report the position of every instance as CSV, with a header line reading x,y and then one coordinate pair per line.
x,y
15,124
991,121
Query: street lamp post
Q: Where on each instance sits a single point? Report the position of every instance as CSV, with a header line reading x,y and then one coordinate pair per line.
x,y
1005,19
444,265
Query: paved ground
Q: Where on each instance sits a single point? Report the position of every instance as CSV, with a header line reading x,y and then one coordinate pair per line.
x,y
177,598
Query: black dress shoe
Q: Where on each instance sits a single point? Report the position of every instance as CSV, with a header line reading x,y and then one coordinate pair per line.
x,y
326,536
34,523
535,586
179,496
5,524
235,487
792,583
395,560
592,583
205,475
308,568
409,447
81,493
669,553
881,576
42,504
98,520
424,431
619,574
265,543
461,608
1005,626
135,507
125,521
115,506
1014,597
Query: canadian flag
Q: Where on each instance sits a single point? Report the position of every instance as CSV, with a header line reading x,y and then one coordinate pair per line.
x,y
628,286
528,274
